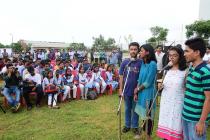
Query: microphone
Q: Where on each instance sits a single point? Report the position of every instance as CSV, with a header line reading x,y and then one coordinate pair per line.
x,y
166,67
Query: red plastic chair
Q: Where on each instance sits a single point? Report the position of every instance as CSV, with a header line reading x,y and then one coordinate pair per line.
x,y
78,97
74,72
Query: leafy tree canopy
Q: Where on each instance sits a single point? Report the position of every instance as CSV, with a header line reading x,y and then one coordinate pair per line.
x,y
159,34
199,28
99,43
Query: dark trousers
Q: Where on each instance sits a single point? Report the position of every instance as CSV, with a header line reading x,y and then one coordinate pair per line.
x,y
28,90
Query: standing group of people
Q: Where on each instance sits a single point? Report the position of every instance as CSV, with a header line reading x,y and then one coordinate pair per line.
x,y
114,57
185,100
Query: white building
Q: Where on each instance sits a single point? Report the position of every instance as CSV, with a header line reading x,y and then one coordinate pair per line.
x,y
43,44
204,10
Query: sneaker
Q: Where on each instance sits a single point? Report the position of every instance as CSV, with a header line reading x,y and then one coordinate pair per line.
x,y
125,129
136,131
137,137
17,107
56,107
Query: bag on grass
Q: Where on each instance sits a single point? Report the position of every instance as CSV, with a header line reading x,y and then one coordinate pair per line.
x,y
91,95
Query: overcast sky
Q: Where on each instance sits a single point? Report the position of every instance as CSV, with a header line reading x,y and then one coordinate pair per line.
x,y
80,20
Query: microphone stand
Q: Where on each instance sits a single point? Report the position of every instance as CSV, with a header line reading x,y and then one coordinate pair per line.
x,y
119,106
150,107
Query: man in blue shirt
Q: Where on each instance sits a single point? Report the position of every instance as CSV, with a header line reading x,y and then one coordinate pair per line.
x,y
133,66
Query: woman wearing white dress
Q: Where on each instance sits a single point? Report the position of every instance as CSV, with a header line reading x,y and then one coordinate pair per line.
x,y
82,82
109,80
171,104
99,82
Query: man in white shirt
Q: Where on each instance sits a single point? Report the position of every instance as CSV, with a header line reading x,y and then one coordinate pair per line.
x,y
71,54
159,56
32,83
57,54
206,57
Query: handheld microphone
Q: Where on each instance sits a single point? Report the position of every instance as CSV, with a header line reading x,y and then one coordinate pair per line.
x,y
166,67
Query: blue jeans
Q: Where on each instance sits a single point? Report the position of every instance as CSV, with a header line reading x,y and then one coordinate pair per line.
x,y
189,131
7,93
131,117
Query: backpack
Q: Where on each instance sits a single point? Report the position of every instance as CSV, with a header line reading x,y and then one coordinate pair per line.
x,y
91,95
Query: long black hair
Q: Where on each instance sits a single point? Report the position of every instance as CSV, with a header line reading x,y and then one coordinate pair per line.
x,y
151,55
182,61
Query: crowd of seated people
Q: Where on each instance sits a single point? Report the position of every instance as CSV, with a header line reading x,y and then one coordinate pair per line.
x,y
60,79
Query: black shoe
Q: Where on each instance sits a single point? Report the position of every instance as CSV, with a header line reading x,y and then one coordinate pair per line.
x,y
29,108
125,129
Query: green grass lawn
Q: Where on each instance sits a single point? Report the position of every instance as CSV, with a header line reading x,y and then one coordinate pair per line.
x,y
76,120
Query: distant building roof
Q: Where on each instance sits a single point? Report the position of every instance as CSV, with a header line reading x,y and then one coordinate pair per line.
x,y
44,44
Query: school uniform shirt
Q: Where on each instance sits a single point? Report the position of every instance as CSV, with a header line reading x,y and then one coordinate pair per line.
x,y
109,76
47,81
36,78
68,80
97,76
83,78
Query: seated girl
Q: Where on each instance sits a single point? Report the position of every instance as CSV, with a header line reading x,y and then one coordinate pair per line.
x,y
98,80
68,80
62,88
52,95
109,79
82,82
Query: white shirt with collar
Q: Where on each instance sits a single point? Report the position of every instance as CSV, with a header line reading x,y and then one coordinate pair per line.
x,y
159,58
36,78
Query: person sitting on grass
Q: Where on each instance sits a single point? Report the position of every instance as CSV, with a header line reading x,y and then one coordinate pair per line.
x,y
50,81
12,80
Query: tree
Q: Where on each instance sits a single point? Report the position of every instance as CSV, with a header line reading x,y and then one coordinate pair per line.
x,y
16,47
159,34
77,46
2,45
199,28
101,43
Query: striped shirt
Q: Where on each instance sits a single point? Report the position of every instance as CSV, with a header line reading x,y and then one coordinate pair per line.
x,y
197,81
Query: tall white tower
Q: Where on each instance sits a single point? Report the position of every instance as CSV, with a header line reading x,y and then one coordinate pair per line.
x,y
204,10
